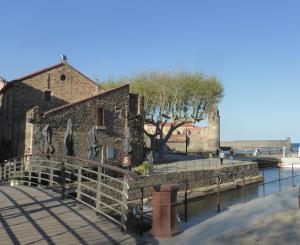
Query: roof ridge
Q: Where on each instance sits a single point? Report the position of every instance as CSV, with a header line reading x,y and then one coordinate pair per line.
x,y
85,99
37,72
50,68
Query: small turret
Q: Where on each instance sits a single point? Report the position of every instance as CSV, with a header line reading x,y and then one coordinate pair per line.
x,y
213,129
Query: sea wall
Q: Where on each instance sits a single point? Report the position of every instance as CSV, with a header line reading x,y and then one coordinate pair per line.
x,y
206,180
255,144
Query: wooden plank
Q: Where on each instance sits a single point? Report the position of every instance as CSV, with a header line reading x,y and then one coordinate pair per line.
x,y
34,215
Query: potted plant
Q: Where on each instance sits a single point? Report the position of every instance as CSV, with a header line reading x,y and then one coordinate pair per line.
x,y
144,168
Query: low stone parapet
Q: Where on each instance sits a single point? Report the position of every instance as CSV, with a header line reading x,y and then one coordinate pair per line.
x,y
201,181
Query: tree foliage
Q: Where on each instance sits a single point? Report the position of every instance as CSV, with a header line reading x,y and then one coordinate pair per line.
x,y
176,98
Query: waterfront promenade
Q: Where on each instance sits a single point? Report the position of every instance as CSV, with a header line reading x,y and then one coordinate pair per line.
x,y
271,220
196,164
38,216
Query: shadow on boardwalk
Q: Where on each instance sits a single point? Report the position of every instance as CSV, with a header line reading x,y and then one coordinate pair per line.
x,y
38,216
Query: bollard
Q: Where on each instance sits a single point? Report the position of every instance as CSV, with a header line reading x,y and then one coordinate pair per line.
x,y
164,216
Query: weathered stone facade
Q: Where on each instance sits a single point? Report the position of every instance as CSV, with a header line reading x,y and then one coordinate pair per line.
x,y
198,179
201,181
59,93
83,115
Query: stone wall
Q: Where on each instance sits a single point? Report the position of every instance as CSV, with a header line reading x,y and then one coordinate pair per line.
x,y
84,116
29,92
196,144
255,144
136,123
195,179
64,83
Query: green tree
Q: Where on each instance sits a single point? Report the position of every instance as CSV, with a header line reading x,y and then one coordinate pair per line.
x,y
176,98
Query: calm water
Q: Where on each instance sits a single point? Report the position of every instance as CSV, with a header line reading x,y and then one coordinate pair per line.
x,y
228,198
294,148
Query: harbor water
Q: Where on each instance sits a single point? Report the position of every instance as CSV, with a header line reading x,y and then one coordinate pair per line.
x,y
208,204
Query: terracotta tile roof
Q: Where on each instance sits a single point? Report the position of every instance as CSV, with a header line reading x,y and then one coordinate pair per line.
x,y
56,109
189,126
177,138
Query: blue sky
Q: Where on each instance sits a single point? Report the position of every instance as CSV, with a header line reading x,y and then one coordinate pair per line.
x,y
253,46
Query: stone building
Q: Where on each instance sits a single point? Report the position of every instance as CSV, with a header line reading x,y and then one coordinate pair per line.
x,y
2,83
198,139
58,99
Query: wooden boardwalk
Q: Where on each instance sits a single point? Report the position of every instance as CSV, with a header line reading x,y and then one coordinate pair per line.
x,y
38,216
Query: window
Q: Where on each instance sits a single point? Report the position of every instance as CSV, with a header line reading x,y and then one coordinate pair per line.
x,y
110,153
100,116
63,77
133,104
47,95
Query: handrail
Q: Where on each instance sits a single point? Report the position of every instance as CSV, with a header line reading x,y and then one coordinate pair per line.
x,y
130,175
95,188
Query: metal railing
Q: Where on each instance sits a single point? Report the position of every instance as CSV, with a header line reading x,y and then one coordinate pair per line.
x,y
214,199
99,186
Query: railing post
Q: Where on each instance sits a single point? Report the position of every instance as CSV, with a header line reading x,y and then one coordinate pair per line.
x,y
98,194
22,170
142,212
29,177
15,168
264,191
1,172
244,199
39,172
51,177
14,171
5,172
279,179
293,181
218,194
124,204
299,197
29,170
185,202
62,180
9,170
79,183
